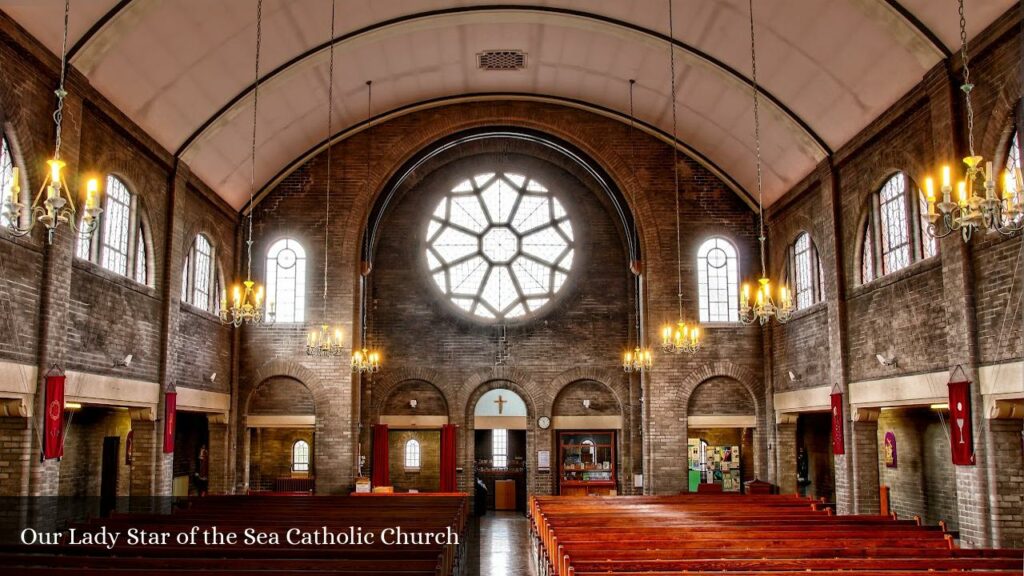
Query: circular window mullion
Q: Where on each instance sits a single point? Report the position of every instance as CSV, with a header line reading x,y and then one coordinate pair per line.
x,y
493,240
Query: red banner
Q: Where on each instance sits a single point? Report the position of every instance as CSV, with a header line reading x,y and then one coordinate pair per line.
x,y
838,444
53,427
961,440
448,481
170,420
381,472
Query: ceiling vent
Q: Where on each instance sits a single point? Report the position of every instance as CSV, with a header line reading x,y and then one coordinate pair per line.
x,y
501,60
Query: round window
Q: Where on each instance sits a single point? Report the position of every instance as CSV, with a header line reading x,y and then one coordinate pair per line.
x,y
499,246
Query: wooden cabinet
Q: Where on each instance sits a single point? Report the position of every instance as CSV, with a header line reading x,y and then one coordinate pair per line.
x,y
586,463
504,494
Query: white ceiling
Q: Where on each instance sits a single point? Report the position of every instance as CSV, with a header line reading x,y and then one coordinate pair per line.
x,y
829,68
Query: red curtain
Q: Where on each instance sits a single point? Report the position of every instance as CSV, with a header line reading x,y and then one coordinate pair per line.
x,y
961,440
170,419
381,471
53,428
448,458
838,445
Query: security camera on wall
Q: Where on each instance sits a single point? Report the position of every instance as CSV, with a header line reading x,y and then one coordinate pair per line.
x,y
792,376
412,404
125,363
885,361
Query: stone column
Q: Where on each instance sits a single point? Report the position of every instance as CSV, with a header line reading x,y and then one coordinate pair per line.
x,y
785,452
862,453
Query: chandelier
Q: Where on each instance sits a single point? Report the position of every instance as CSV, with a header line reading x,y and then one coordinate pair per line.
x,y
247,302
54,204
322,343
970,210
763,307
366,361
640,358
681,337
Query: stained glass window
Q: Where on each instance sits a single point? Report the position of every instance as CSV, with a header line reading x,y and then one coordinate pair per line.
x,y
116,221
1014,160
895,233
412,454
500,245
286,279
717,281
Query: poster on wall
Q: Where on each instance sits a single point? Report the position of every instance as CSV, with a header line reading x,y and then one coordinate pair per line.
x,y
890,450
543,459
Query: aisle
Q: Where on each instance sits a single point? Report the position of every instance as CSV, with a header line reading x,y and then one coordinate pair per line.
x,y
504,545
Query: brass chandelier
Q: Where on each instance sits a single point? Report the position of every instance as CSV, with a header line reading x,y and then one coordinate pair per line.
x,y
640,358
970,211
54,204
324,343
763,307
366,360
681,337
247,298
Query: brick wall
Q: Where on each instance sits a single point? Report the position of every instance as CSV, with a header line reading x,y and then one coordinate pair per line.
x,y
272,454
281,396
721,396
428,477
922,483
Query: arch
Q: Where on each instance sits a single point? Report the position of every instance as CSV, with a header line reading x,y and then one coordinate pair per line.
x,y
722,368
600,392
718,280
386,385
430,399
803,271
618,201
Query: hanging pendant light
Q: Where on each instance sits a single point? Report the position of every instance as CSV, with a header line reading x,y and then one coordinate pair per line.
x,y
366,360
970,211
247,298
682,337
325,343
640,358
54,204
763,306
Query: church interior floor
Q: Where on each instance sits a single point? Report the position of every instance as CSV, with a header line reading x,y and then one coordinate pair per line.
x,y
503,539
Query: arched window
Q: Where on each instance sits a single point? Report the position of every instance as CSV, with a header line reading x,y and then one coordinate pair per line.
x,y
717,281
141,273
300,456
116,221
892,207
805,271
499,448
867,266
286,280
898,220
200,282
1014,162
412,455
6,177
120,242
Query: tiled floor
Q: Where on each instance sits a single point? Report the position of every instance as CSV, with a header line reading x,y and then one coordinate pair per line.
x,y
503,545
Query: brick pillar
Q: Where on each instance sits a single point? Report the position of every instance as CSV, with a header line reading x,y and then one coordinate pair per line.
x,y
949,142
54,305
1006,500
832,265
219,455
785,452
146,447
862,454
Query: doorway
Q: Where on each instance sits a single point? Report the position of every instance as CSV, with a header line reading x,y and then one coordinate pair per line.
x,y
108,475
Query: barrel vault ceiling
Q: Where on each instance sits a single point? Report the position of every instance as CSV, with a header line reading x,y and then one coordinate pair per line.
x,y
183,69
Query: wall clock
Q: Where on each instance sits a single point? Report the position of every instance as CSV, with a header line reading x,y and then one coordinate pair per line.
x,y
544,422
